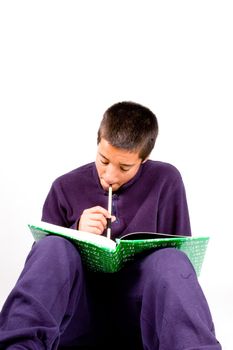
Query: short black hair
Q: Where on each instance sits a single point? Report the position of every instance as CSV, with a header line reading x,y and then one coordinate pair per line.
x,y
129,126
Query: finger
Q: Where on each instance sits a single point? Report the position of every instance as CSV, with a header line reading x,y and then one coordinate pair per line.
x,y
97,224
113,218
94,230
96,218
98,210
88,221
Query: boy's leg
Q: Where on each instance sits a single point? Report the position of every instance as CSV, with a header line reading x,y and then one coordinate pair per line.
x,y
50,288
162,299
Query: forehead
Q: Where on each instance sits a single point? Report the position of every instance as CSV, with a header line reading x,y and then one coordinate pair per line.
x,y
114,154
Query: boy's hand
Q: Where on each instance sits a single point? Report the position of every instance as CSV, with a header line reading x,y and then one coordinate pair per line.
x,y
94,220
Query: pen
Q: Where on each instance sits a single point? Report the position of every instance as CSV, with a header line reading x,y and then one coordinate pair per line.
x,y
109,220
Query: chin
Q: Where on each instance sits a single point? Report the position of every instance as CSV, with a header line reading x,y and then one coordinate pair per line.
x,y
115,187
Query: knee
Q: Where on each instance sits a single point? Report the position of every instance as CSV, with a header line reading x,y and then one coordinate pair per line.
x,y
55,248
169,262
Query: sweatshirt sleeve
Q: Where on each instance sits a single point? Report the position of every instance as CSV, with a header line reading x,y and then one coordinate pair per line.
x,y
173,214
56,207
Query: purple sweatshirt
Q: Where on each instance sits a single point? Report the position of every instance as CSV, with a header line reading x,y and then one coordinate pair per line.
x,y
154,200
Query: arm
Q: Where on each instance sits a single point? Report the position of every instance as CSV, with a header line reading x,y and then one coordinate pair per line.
x,y
57,210
173,214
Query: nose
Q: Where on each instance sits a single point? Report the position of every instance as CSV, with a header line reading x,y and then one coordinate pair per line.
x,y
110,175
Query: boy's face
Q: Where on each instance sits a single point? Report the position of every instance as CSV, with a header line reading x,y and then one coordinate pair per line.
x,y
115,166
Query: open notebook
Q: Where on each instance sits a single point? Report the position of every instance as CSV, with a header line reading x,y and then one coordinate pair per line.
x,y
102,254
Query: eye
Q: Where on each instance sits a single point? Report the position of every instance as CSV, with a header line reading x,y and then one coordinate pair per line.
x,y
104,162
124,169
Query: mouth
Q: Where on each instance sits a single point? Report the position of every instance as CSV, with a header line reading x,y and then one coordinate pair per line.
x,y
106,185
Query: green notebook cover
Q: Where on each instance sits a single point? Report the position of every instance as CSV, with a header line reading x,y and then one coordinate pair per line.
x,y
101,254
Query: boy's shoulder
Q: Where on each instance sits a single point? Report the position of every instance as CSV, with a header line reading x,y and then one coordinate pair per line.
x,y
161,168
82,172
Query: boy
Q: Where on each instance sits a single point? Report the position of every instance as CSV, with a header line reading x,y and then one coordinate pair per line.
x,y
155,302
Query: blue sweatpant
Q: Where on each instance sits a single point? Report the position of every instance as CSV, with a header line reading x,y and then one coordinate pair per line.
x,y
153,303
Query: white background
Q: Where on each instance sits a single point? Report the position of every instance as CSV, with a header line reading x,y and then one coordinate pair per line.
x,y
62,63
